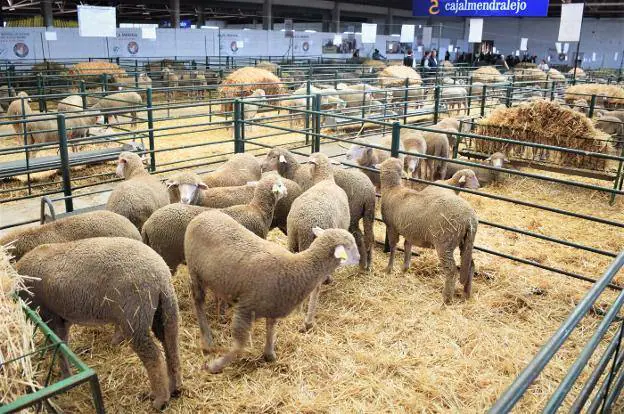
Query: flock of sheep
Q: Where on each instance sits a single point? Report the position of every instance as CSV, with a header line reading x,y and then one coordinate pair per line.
x,y
115,266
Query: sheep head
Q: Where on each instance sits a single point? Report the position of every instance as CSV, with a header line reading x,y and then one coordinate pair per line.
x,y
275,160
465,178
341,241
498,159
129,164
184,188
391,172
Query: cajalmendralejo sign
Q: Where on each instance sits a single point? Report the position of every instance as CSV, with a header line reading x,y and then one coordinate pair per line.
x,y
481,8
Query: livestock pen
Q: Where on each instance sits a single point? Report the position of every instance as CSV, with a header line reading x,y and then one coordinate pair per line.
x,y
381,340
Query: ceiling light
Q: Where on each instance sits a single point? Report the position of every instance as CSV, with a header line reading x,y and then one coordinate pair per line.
x,y
309,31
395,35
210,27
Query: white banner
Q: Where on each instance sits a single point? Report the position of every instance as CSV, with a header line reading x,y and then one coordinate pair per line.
x,y
426,37
476,31
50,36
571,20
17,44
407,33
97,21
523,43
148,32
369,32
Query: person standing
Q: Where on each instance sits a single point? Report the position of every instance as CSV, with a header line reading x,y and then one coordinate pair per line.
x,y
424,62
433,61
447,55
409,59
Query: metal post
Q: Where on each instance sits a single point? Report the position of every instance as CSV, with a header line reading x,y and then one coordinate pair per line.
x,y
405,97
436,104
25,136
335,79
96,392
104,79
483,97
592,106
307,115
508,97
9,83
238,144
469,103
316,141
394,152
552,90
150,128
136,74
576,58
458,139
40,92
83,94
67,191
619,179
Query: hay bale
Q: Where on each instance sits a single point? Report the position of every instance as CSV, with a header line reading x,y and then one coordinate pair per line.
x,y
580,73
548,123
394,76
50,68
447,66
526,65
612,95
555,75
269,66
487,74
529,75
377,65
244,81
16,378
95,68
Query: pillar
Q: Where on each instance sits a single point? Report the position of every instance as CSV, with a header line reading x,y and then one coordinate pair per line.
x,y
201,19
389,22
336,17
326,22
46,9
267,15
175,13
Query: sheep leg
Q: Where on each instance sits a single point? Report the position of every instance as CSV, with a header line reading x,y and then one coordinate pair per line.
x,y
241,324
407,258
165,328
199,296
269,345
118,336
61,329
393,239
450,269
359,241
308,322
369,241
149,354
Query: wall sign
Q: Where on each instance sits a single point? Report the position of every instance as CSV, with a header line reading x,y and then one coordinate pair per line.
x,y
481,8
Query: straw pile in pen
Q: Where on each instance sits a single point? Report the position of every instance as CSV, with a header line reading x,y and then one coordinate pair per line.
x,y
266,65
487,74
529,75
612,94
95,68
554,74
548,123
17,378
394,76
244,81
446,66
525,65
580,73
375,64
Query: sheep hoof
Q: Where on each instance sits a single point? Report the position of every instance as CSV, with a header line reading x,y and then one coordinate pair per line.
x,y
159,403
306,327
388,270
328,281
270,357
176,392
206,344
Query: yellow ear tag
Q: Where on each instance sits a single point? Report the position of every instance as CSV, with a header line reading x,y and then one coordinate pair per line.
x,y
340,253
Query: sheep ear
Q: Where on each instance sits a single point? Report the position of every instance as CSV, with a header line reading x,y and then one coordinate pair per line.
x,y
171,183
377,166
505,159
201,185
251,183
340,253
335,162
282,159
462,179
489,158
312,161
317,231
122,160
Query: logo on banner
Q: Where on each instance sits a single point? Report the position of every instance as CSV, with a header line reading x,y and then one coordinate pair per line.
x,y
20,50
133,47
484,8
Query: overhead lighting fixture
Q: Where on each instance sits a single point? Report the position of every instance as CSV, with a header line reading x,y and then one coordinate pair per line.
x,y
395,35
210,27
245,28
358,33
348,32
310,31
283,30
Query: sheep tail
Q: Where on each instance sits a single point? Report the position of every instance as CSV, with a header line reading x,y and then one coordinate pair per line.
x,y
466,271
165,327
144,236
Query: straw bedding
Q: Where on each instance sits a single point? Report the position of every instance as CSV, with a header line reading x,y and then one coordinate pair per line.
x,y
529,75
252,78
16,332
554,74
487,74
548,123
394,76
269,66
375,64
613,94
580,73
96,68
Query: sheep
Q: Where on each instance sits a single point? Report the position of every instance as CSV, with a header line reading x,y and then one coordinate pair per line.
x,y
323,205
236,171
18,109
140,194
120,102
613,126
111,280
414,142
251,110
455,97
449,124
618,114
199,83
465,178
172,81
80,226
164,230
358,187
485,176
78,126
263,279
438,146
144,81
72,103
293,190
188,188
329,101
434,218
368,157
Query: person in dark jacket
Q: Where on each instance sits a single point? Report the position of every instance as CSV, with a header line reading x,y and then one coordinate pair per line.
x,y
409,59
433,60
425,59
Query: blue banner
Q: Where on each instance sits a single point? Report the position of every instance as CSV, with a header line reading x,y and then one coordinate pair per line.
x,y
480,8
